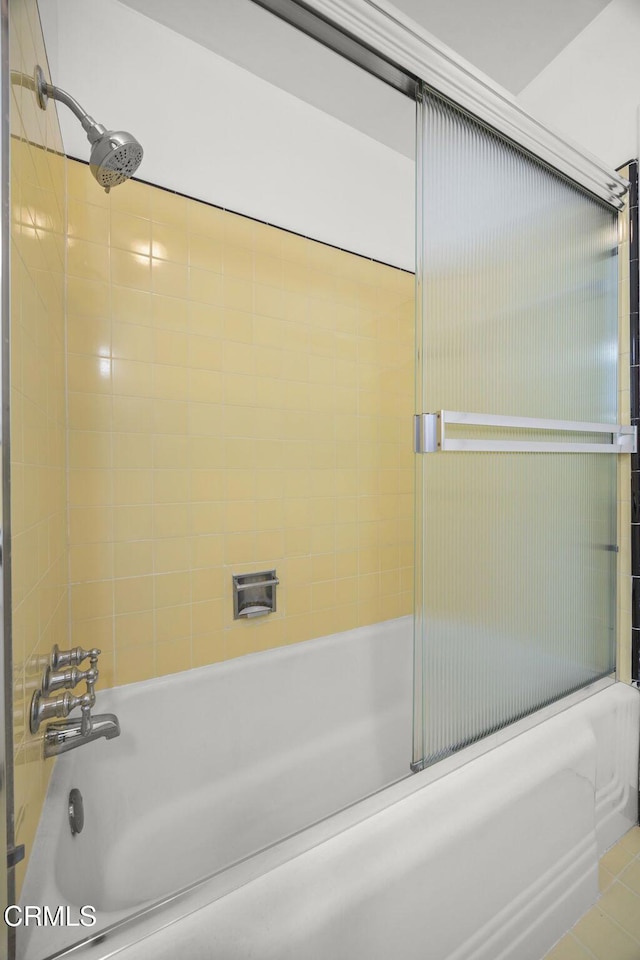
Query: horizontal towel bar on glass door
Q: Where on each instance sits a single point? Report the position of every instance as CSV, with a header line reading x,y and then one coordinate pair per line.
x,y
431,436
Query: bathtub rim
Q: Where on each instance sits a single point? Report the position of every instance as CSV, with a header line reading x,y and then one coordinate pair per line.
x,y
150,919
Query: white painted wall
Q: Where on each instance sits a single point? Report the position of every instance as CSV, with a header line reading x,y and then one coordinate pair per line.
x,y
213,130
591,91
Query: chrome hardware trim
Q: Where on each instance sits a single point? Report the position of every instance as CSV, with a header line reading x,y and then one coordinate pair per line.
x,y
76,811
65,736
74,657
50,708
68,679
425,433
62,737
86,723
15,855
8,814
254,594
321,29
431,434
261,583
41,87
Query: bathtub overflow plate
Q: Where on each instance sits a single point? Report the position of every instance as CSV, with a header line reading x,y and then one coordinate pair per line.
x,y
76,811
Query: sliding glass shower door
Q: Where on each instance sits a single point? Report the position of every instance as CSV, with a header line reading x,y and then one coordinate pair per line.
x,y
517,318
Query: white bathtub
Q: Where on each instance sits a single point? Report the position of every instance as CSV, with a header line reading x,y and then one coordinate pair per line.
x,y
485,859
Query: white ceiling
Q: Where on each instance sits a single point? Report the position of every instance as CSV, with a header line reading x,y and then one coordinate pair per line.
x,y
511,41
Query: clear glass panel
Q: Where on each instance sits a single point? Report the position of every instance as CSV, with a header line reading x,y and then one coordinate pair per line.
x,y
518,317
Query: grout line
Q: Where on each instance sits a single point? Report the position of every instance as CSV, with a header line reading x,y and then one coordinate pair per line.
x,y
613,920
582,946
627,887
597,906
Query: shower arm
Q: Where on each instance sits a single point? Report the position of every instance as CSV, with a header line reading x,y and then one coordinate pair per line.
x,y
44,90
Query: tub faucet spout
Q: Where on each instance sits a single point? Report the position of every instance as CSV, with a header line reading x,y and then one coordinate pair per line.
x,y
62,737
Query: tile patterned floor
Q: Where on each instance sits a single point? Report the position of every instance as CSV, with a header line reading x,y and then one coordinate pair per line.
x,y
611,929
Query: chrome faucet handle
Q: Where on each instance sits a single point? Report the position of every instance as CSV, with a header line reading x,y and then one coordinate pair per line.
x,y
86,724
58,708
68,679
66,658
72,658
50,708
91,678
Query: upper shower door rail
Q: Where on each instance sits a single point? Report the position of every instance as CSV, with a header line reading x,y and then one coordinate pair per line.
x,y
431,434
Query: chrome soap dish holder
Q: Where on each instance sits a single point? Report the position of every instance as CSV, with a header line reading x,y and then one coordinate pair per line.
x,y
254,594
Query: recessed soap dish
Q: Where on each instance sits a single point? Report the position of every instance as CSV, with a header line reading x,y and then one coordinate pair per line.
x,y
254,594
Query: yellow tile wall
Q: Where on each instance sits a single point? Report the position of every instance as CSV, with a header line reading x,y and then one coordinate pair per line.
x,y
624,461
240,398
38,429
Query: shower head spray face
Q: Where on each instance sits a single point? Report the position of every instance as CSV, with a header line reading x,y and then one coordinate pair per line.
x,y
115,156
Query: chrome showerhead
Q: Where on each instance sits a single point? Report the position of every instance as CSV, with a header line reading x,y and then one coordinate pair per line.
x,y
115,154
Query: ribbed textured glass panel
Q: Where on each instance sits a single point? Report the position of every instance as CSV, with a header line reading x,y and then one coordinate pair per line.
x,y
518,286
